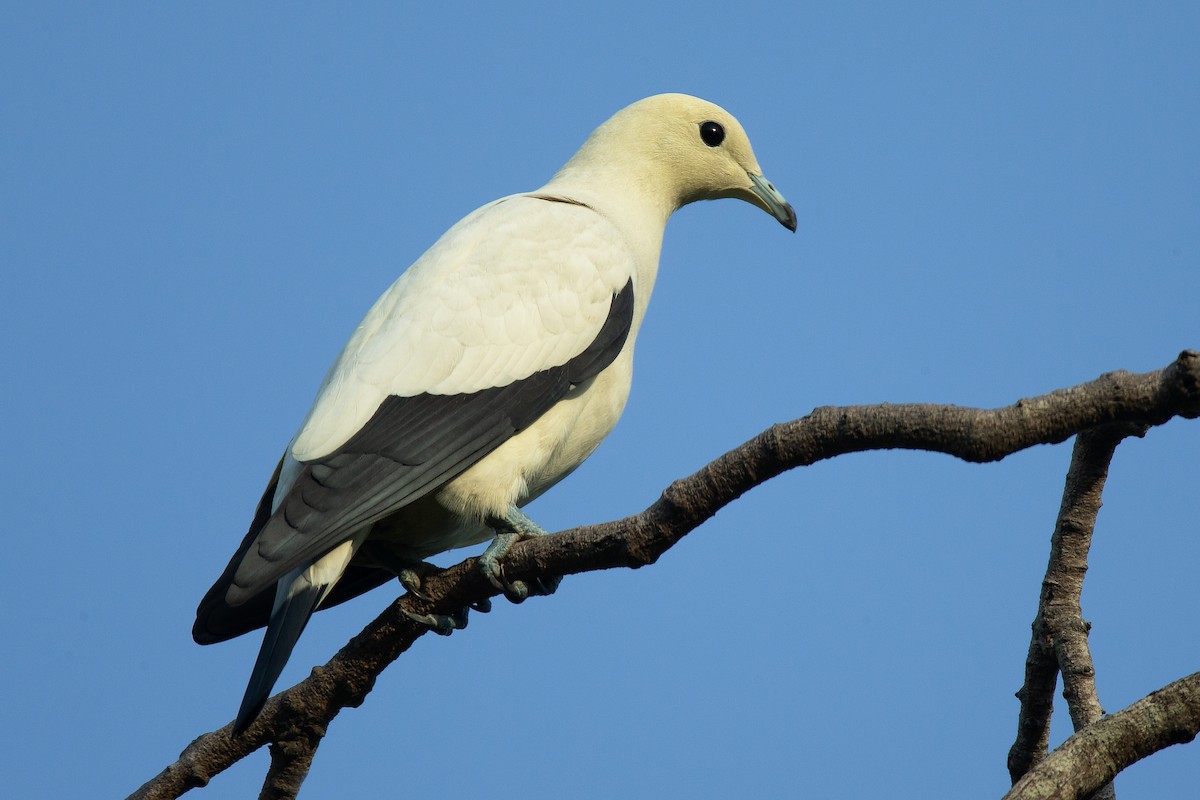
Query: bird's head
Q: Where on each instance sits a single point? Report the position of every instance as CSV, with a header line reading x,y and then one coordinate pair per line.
x,y
678,149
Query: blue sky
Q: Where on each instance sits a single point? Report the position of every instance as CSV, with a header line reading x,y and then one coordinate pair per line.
x,y
995,200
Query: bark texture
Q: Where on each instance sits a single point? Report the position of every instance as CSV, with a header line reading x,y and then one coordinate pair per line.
x,y
1092,758
1060,633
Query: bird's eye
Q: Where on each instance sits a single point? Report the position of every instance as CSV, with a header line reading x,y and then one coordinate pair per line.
x,y
712,133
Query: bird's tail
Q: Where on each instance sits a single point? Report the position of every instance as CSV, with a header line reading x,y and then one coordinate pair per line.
x,y
296,598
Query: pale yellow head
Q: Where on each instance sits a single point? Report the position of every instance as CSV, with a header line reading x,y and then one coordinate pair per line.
x,y
675,149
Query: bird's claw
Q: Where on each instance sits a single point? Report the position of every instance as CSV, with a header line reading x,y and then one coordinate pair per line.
x,y
410,579
516,591
493,570
538,587
441,624
489,563
409,574
483,605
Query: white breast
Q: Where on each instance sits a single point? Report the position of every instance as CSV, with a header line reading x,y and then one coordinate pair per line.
x,y
547,451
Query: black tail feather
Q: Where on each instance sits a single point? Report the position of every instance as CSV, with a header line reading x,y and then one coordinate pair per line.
x,y
288,619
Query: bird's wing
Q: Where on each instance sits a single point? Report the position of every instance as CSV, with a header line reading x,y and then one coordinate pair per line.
x,y
479,338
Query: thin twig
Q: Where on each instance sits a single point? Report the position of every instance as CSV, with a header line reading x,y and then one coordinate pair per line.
x,y
1037,703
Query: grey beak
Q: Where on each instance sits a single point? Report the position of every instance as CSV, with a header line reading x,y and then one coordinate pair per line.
x,y
774,202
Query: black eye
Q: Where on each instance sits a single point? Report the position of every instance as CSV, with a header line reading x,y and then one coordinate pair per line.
x,y
712,133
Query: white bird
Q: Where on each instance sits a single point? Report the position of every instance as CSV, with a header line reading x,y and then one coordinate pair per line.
x,y
484,375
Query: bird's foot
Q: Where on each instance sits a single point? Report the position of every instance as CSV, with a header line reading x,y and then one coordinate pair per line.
x,y
411,575
446,624
441,624
510,529
410,579
410,572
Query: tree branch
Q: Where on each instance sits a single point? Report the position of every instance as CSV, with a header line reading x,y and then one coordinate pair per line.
x,y
291,758
1093,756
1059,641
970,434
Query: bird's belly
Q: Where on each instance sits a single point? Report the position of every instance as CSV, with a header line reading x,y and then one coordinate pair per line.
x,y
515,473
545,452
420,530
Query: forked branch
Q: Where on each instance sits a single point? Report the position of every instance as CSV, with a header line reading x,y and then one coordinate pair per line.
x,y
1060,634
1093,757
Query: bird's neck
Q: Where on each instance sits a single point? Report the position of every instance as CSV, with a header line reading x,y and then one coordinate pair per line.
x,y
639,214
628,201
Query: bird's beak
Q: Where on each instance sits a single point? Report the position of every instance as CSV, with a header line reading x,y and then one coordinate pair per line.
x,y
773,202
